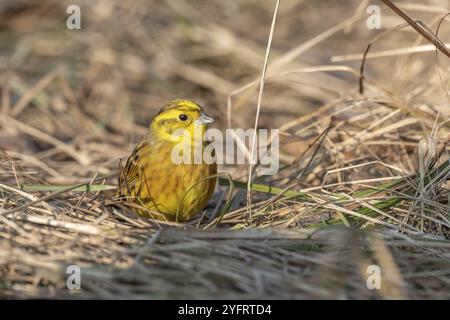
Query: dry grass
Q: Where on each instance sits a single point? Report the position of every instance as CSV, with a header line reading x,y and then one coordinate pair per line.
x,y
364,177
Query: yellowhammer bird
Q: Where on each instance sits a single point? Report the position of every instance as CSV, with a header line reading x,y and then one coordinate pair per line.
x,y
152,179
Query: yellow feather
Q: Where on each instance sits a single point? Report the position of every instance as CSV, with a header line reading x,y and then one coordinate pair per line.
x,y
150,178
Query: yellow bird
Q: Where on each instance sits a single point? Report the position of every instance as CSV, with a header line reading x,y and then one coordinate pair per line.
x,y
156,180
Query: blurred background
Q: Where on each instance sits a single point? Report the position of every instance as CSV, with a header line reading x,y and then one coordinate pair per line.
x,y
97,88
73,102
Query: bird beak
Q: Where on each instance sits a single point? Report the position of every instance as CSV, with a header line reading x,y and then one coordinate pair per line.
x,y
203,119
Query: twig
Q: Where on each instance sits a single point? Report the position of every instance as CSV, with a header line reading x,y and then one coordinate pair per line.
x,y
258,108
419,28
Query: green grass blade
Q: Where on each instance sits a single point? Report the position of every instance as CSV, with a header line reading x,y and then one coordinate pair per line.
x,y
53,188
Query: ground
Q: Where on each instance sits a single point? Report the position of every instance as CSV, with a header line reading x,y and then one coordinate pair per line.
x,y
363,183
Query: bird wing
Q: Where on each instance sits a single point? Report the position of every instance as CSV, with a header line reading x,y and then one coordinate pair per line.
x,y
129,179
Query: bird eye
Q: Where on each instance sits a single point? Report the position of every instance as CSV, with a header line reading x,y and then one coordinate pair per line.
x,y
183,117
